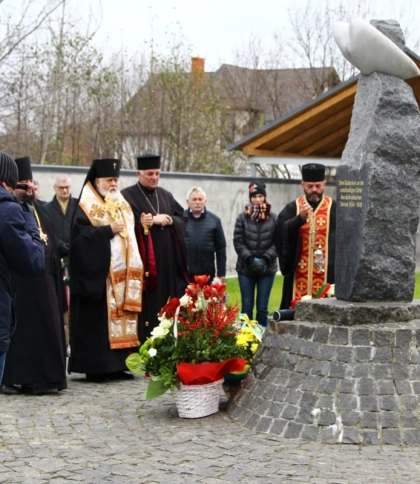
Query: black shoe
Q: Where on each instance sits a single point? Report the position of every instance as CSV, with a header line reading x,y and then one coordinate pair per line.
x,y
97,377
44,391
9,390
120,375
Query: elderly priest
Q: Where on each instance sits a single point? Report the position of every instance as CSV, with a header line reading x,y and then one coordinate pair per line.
x,y
106,275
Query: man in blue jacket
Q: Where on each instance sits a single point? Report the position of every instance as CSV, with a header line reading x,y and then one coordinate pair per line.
x,y
204,237
21,250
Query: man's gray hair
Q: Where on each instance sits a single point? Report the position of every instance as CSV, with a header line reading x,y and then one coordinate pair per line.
x,y
62,177
195,189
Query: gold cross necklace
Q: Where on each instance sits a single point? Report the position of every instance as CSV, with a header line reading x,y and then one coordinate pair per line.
x,y
148,201
42,234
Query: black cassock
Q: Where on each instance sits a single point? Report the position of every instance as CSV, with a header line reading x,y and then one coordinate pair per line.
x,y
288,244
169,250
37,356
89,264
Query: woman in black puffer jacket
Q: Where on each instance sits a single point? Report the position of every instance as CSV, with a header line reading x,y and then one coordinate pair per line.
x,y
253,239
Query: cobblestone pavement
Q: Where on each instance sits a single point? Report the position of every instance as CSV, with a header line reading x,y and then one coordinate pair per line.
x,y
107,434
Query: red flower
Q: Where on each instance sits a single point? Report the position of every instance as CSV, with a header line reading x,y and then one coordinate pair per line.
x,y
169,310
201,280
215,290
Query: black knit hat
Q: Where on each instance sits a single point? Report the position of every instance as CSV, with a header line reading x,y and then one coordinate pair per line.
x,y
24,168
148,162
8,170
256,188
313,172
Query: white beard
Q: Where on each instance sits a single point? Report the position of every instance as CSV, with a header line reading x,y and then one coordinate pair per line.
x,y
113,195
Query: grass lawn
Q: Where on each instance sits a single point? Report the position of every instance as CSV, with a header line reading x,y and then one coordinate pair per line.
x,y
275,298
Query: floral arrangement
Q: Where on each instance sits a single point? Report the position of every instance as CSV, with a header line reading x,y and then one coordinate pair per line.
x,y
248,338
327,290
195,342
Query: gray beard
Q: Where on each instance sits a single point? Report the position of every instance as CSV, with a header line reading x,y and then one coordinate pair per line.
x,y
28,198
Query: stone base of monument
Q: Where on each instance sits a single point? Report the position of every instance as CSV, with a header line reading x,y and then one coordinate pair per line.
x,y
324,382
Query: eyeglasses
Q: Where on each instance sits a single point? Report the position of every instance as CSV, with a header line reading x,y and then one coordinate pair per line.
x,y
63,188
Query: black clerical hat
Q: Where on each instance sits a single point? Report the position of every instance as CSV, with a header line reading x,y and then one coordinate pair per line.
x,y
313,172
24,168
106,168
148,162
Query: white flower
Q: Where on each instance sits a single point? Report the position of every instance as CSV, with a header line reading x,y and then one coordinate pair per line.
x,y
152,352
201,303
185,300
166,323
330,292
306,297
158,332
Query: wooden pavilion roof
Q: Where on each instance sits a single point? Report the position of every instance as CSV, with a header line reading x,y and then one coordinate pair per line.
x,y
319,128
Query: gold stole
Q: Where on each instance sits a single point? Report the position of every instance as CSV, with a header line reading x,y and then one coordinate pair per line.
x,y
307,279
124,281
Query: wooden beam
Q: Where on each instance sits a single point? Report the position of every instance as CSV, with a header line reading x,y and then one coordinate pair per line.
x,y
346,95
318,130
311,150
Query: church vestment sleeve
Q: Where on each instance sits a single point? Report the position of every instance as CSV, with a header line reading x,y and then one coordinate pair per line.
x,y
91,257
287,240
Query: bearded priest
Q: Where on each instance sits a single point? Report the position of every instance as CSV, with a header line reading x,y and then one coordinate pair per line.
x,y
106,274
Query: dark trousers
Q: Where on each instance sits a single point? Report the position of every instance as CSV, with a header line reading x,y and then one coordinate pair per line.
x,y
262,286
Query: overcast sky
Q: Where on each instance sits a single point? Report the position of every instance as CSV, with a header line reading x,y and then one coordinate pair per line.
x,y
214,29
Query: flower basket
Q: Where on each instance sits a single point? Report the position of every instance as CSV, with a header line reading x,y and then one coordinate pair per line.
x,y
195,401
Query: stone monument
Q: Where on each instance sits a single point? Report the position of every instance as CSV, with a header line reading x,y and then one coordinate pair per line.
x,y
347,370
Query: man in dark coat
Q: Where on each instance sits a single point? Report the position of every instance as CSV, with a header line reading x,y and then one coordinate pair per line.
x,y
106,274
160,230
305,238
61,210
21,251
36,359
204,238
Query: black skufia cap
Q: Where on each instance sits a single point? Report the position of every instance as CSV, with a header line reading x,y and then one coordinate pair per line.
x,y
148,162
24,168
313,172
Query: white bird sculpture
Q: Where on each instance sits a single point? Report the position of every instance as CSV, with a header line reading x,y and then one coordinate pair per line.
x,y
369,50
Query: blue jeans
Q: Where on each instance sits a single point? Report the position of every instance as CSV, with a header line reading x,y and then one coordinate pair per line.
x,y
2,363
263,285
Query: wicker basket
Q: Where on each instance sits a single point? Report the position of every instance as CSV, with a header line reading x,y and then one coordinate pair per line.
x,y
194,401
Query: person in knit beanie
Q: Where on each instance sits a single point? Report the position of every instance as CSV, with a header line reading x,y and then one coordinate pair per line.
x,y
22,251
257,188
8,170
256,264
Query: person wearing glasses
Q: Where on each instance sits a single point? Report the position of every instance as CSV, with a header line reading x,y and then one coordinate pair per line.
x,y
61,210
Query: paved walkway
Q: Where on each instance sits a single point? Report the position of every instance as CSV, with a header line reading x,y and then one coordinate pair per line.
x,y
108,434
